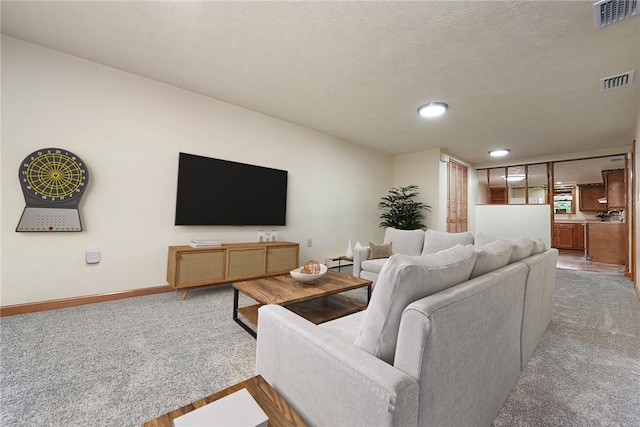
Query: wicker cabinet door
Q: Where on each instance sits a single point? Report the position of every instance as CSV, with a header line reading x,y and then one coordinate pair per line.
x,y
243,263
282,259
200,267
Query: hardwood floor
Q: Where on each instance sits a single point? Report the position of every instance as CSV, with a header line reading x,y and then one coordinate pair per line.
x,y
575,260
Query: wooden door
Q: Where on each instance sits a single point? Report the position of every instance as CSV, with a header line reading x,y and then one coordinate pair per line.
x,y
457,200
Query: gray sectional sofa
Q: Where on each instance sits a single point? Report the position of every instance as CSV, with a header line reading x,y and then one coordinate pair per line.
x,y
442,342
406,242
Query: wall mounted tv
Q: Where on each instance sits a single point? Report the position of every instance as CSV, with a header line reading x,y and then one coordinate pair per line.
x,y
221,192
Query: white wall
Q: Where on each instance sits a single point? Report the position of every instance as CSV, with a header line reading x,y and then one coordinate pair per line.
x,y
423,169
129,131
514,221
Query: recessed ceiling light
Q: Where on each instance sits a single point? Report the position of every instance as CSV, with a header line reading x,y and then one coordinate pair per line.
x,y
432,109
499,153
515,177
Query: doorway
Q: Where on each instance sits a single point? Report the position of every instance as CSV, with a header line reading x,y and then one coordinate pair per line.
x,y
590,215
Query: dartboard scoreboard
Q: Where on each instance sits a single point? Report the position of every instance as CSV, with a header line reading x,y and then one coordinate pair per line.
x,y
53,181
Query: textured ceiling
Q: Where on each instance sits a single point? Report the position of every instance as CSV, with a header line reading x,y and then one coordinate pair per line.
x,y
523,75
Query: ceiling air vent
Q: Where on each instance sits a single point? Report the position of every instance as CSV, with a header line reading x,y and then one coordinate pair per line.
x,y
616,81
607,12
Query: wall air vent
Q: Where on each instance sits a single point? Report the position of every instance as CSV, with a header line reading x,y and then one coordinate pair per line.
x,y
607,12
619,80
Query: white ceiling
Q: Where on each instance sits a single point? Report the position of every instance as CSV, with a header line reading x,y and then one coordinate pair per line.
x,y
523,75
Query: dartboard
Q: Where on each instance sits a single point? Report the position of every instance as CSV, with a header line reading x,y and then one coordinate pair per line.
x,y
52,175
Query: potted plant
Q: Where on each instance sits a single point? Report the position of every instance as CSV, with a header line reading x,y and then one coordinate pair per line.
x,y
401,210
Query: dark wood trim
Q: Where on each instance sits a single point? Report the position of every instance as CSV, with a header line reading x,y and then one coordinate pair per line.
x,y
33,307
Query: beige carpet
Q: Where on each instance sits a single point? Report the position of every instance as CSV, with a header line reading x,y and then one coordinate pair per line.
x,y
121,363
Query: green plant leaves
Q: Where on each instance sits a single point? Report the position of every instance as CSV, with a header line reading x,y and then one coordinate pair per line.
x,y
401,211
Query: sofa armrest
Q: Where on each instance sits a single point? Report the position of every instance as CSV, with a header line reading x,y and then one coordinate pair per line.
x,y
327,380
359,254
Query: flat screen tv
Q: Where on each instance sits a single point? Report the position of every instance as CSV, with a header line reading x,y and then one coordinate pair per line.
x,y
221,192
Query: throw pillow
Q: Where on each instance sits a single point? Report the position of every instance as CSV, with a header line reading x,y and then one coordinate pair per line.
x,y
435,241
379,250
403,280
491,257
406,242
522,248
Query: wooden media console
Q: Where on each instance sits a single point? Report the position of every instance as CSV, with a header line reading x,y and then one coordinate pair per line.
x,y
189,267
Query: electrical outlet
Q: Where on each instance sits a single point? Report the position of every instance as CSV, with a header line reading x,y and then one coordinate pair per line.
x,y
93,256
309,243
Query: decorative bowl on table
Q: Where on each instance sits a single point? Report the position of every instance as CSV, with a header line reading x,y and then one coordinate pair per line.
x,y
311,270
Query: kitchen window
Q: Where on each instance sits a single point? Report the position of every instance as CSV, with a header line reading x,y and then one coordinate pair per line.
x,y
564,200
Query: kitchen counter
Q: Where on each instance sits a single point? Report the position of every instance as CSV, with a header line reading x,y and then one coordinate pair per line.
x,y
588,221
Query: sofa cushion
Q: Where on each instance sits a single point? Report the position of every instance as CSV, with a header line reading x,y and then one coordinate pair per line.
x,y
379,250
538,247
345,327
406,242
373,265
491,257
403,280
483,239
522,248
435,241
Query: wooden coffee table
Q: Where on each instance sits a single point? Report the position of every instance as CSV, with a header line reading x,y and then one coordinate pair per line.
x,y
316,301
273,405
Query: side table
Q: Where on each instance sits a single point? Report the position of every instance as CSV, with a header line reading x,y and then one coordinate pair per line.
x,y
341,259
278,411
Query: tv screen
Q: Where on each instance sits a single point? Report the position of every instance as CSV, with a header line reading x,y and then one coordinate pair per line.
x,y
221,192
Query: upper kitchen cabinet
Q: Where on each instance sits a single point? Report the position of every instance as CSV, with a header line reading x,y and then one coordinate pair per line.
x,y
614,183
591,196
600,182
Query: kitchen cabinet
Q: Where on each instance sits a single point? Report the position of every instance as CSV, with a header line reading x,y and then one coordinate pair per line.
x,y
498,196
607,242
589,195
568,235
614,182
580,231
